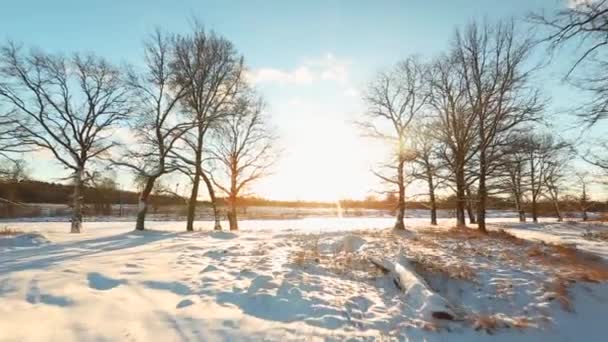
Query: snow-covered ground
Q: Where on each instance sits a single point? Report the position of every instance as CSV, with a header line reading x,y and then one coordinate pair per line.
x,y
283,280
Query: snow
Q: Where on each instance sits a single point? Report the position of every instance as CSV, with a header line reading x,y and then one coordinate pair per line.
x,y
23,240
279,280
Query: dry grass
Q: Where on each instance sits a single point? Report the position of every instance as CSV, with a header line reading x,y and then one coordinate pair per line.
x,y
426,265
570,263
6,231
596,236
490,323
473,234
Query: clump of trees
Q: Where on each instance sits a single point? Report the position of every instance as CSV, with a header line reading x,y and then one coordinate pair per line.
x,y
183,101
463,121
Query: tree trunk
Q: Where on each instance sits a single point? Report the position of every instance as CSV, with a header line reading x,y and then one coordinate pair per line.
x,y
399,224
460,198
522,215
470,211
77,201
558,212
232,218
585,217
520,209
192,202
433,202
534,210
143,203
482,194
534,191
216,213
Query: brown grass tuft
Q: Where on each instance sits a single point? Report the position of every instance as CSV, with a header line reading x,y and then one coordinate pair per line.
x,y
489,323
426,265
559,291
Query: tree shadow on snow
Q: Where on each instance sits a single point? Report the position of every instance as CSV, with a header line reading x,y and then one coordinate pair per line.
x,y
49,255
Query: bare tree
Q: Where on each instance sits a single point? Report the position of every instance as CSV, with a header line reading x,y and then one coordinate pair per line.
x,y
394,99
583,201
583,25
211,70
66,106
242,152
157,125
514,172
456,126
492,61
542,152
554,179
426,164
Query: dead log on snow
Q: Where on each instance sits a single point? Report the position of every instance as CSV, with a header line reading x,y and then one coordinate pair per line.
x,y
420,296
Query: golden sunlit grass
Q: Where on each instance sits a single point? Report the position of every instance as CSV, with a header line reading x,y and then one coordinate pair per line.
x,y
6,231
451,270
461,254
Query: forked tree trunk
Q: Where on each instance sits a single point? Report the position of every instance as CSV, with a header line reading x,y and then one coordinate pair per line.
x,y
558,212
216,213
519,208
192,202
77,201
143,203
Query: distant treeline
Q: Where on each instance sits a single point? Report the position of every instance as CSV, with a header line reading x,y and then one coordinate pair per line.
x,y
32,191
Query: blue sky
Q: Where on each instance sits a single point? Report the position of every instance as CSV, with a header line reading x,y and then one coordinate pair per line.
x,y
310,60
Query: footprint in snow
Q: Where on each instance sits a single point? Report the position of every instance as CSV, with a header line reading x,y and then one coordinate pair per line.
x,y
209,268
184,303
171,286
100,282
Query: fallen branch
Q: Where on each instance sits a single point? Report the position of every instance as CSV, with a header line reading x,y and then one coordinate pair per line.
x,y
425,301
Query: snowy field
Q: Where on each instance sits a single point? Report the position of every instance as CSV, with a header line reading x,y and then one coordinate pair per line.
x,y
308,279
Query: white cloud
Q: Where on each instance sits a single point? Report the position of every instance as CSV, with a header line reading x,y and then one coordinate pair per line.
x,y
327,68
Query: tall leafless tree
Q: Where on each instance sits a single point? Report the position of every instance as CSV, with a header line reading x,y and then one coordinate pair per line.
x,y
210,69
554,179
242,151
583,26
514,172
394,99
157,125
456,126
492,60
67,106
542,153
